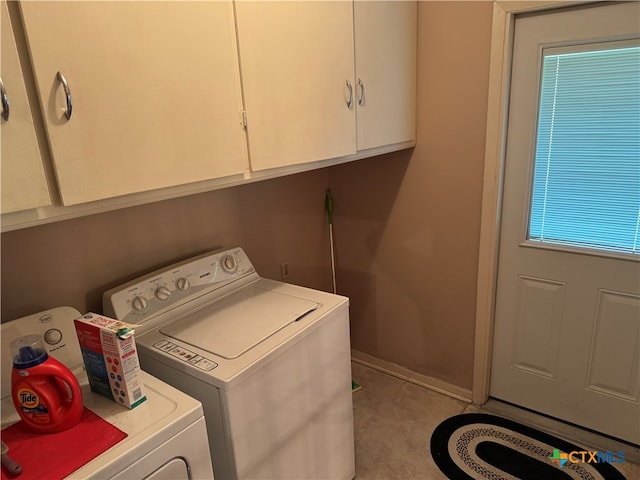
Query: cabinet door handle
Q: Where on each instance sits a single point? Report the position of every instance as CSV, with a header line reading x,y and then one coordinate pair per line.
x,y
67,93
5,102
361,97
350,99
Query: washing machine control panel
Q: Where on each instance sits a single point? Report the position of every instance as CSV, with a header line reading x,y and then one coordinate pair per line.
x,y
185,355
146,297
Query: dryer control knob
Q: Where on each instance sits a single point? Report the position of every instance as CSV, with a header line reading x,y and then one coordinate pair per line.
x,y
183,284
139,303
228,264
163,293
53,336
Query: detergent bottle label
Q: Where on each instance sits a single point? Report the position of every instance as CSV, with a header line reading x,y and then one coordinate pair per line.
x,y
31,406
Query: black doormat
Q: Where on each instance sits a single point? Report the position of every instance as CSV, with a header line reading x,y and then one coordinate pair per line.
x,y
476,446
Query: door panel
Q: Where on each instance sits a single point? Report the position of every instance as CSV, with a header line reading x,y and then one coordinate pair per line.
x,y
614,356
567,321
174,469
538,319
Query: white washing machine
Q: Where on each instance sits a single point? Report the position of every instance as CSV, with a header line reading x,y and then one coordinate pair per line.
x,y
166,435
269,361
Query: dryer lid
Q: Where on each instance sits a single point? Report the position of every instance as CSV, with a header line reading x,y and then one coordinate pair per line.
x,y
235,324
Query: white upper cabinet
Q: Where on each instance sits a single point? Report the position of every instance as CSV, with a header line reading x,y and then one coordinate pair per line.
x,y
386,57
326,79
153,97
297,67
24,185
148,100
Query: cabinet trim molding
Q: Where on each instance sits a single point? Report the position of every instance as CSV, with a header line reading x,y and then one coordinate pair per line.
x,y
53,213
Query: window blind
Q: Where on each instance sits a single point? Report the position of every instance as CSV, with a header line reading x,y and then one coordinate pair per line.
x,y
586,182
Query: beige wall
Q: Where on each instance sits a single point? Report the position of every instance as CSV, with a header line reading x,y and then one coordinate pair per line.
x,y
406,224
75,261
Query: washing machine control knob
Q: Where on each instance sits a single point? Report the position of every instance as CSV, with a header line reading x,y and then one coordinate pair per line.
x,y
183,284
162,293
139,303
228,264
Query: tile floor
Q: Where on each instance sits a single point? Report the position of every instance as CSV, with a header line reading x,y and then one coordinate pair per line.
x,y
393,424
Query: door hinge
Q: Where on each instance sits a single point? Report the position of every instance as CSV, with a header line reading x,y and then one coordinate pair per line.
x,y
243,118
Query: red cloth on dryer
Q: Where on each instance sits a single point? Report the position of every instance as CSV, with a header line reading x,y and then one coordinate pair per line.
x,y
57,455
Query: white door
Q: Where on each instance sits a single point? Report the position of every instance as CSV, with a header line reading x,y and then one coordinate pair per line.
x,y
567,324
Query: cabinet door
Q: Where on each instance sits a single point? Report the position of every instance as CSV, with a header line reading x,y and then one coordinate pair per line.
x,y
386,49
296,59
24,185
155,91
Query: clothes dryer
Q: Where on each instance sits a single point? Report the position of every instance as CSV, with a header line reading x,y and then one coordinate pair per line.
x,y
164,437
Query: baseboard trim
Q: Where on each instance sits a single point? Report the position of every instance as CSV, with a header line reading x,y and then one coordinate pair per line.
x,y
411,376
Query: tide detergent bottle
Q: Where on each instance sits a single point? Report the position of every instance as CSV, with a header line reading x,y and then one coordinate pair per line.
x,y
45,393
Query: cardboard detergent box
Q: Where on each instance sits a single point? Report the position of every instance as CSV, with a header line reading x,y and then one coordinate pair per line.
x,y
111,358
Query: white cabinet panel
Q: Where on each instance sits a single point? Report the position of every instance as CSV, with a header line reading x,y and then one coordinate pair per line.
x,y
24,185
385,55
155,89
296,59
308,68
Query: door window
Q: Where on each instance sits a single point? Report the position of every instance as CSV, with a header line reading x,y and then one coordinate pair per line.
x,y
586,180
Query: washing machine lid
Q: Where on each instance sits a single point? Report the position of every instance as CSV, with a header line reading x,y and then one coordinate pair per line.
x,y
235,324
